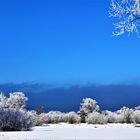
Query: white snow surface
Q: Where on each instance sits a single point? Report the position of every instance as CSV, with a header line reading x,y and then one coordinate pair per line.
x,y
65,131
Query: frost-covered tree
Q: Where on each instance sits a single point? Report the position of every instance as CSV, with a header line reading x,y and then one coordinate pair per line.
x,y
17,100
12,119
88,105
127,12
3,101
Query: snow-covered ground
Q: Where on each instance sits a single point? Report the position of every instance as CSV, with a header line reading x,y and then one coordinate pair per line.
x,y
76,132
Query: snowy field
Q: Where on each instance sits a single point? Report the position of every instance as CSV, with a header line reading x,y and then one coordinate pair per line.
x,y
76,132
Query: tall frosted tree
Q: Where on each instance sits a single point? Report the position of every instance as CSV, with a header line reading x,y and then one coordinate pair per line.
x,y
17,100
127,14
88,105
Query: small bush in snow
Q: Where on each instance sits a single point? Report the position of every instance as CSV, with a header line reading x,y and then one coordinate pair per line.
x,y
118,118
42,119
113,117
96,118
51,117
121,116
72,117
135,117
58,117
15,120
125,113
34,116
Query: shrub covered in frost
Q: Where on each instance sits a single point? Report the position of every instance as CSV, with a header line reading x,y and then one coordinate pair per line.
x,y
51,117
58,117
15,120
121,116
34,116
125,114
135,117
43,118
72,117
113,117
109,116
55,116
96,118
12,115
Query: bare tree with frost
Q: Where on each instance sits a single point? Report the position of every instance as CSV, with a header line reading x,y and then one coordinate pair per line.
x,y
127,14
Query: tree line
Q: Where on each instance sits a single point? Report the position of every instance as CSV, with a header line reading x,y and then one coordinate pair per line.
x,y
15,117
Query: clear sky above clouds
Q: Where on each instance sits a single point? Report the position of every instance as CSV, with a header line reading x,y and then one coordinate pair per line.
x,y
64,41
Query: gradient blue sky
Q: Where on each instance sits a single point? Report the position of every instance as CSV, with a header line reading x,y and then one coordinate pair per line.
x,y
64,41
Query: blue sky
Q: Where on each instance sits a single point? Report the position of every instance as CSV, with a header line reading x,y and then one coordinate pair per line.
x,y
64,41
